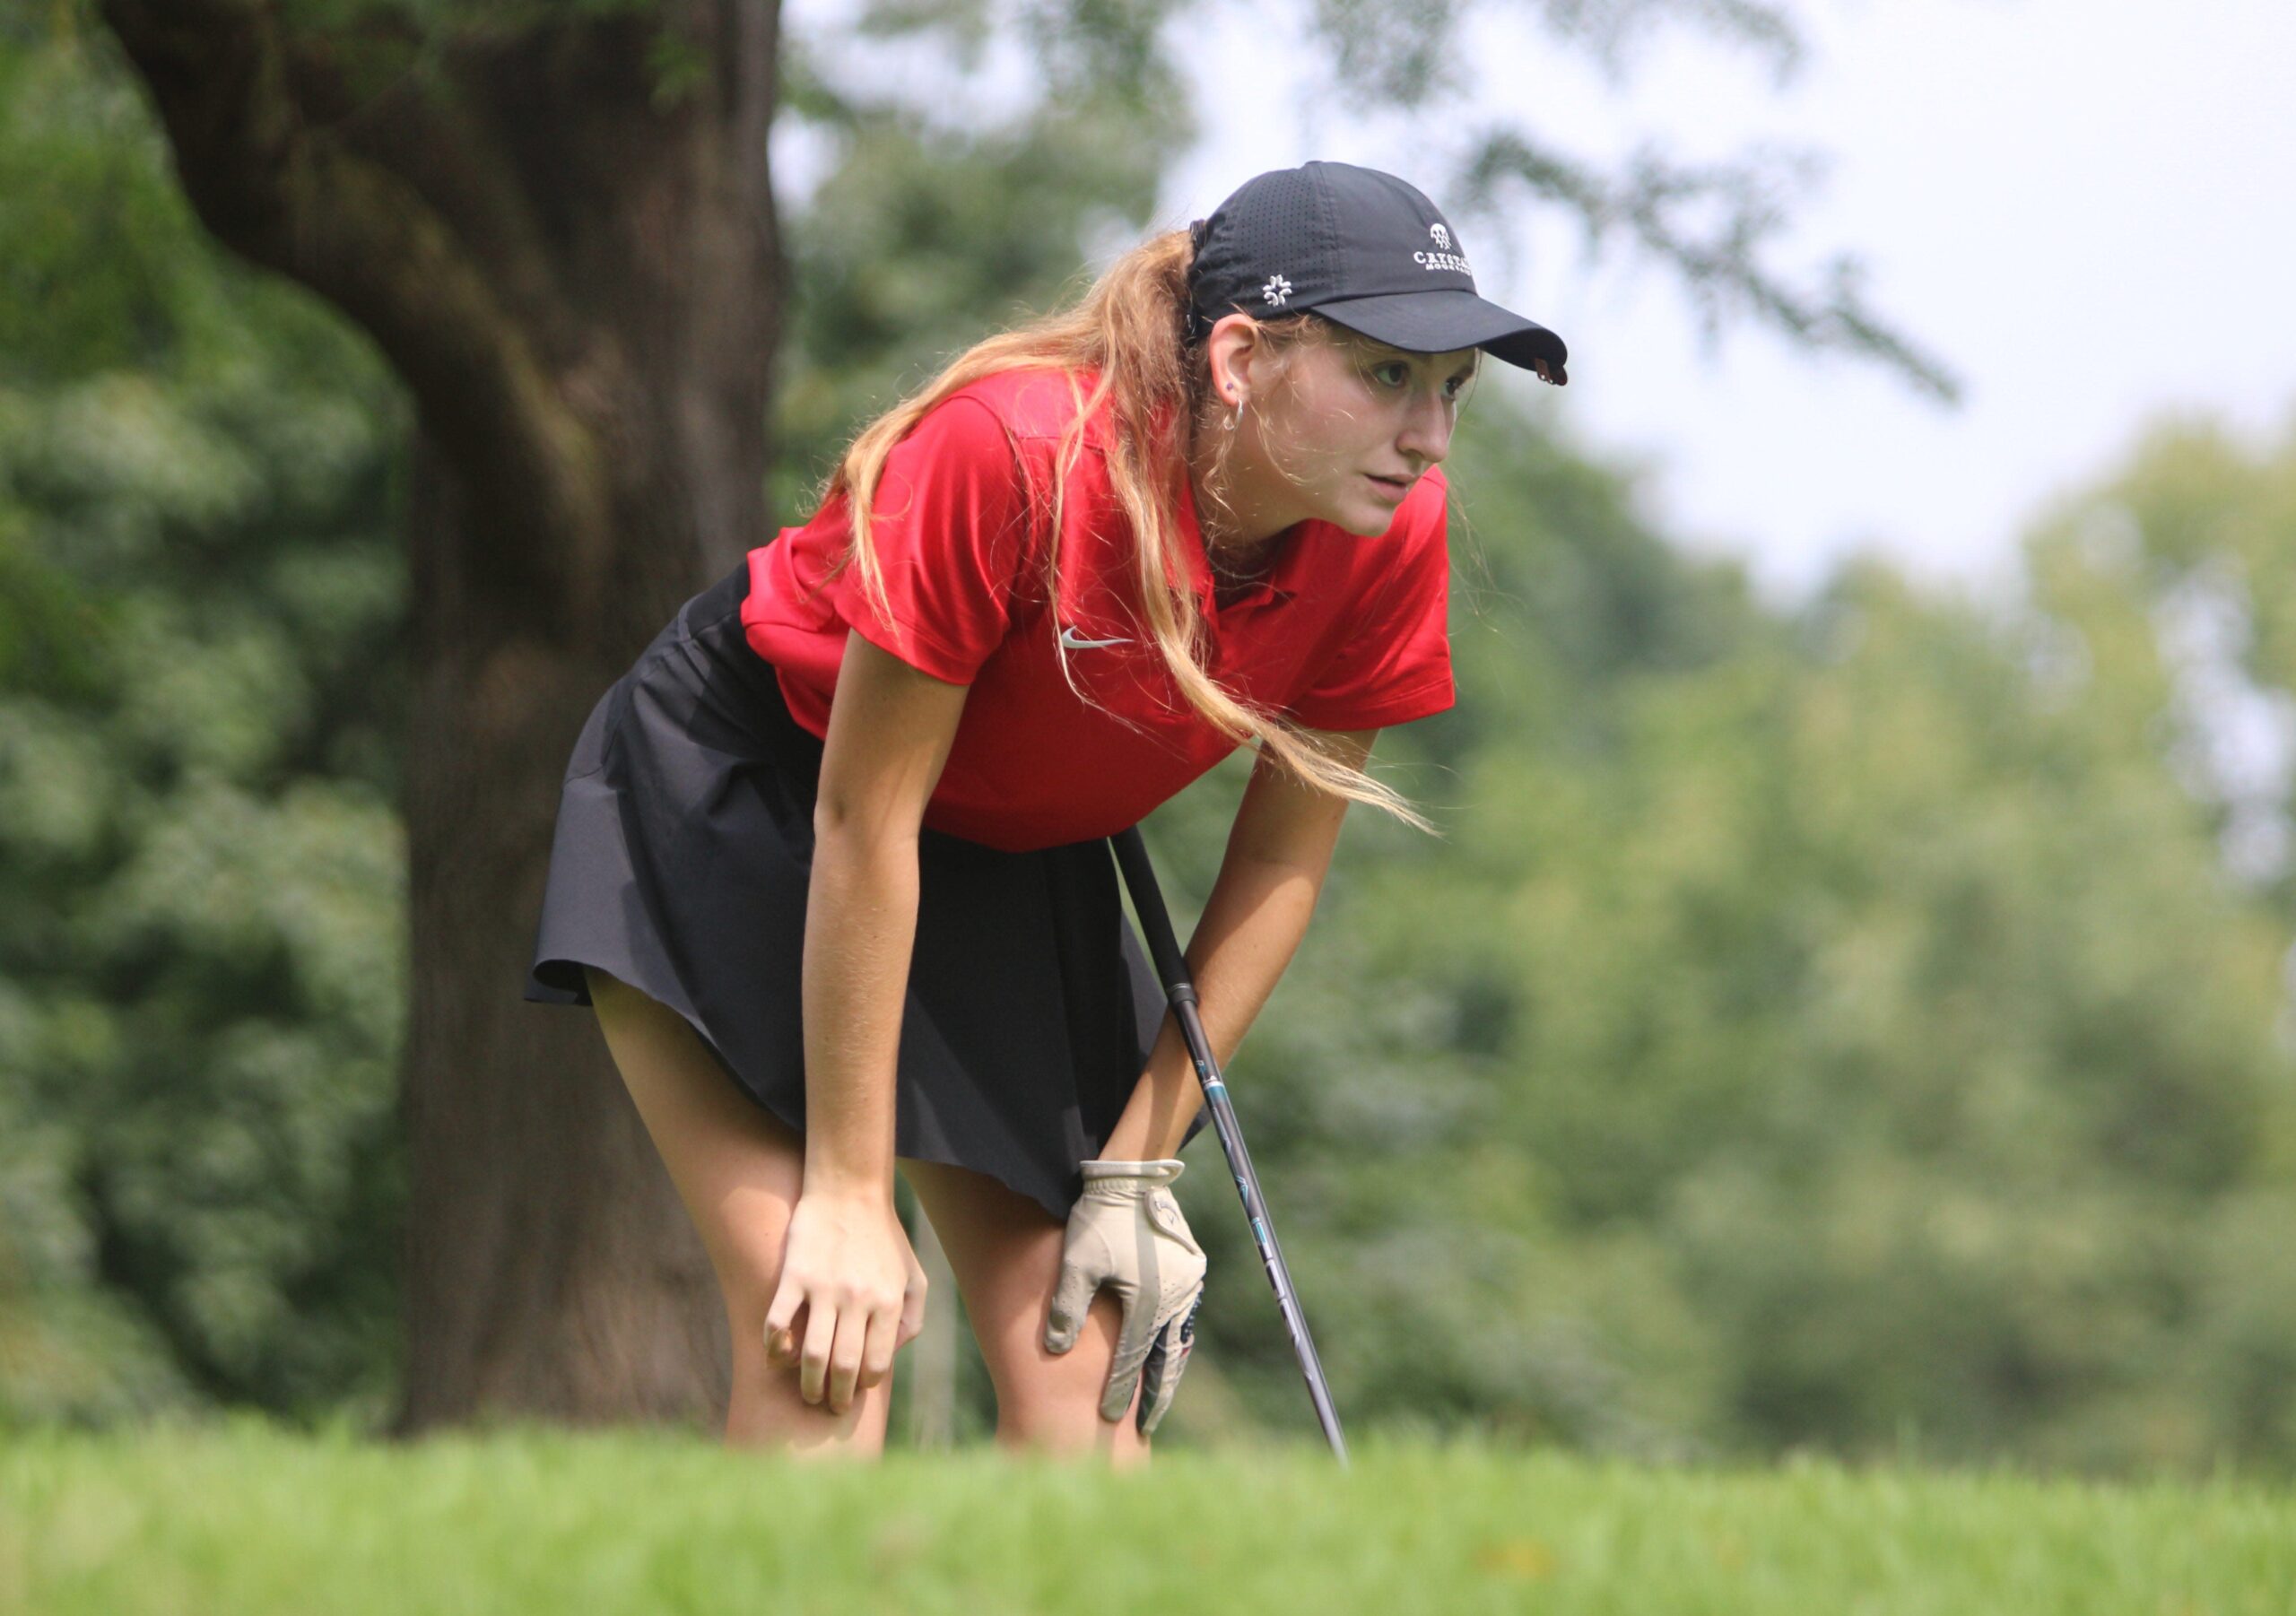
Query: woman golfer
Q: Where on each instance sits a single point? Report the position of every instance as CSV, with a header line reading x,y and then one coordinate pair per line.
x,y
838,834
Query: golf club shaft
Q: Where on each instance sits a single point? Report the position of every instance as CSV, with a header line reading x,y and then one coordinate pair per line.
x,y
1179,989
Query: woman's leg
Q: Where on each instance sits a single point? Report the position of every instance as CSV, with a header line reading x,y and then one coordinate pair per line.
x,y
738,1169
1005,1251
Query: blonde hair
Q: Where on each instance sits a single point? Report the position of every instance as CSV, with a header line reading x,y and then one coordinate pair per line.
x,y
1129,329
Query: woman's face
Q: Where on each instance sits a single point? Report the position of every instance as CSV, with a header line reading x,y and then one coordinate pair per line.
x,y
1340,429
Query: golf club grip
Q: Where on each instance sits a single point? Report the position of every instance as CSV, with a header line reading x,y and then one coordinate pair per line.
x,y
1171,966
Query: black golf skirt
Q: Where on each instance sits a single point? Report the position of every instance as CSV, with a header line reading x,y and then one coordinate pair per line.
x,y
680,865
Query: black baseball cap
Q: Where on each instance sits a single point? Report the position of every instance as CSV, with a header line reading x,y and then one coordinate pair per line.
x,y
1362,248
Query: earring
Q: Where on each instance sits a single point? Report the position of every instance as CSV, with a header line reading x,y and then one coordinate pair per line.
x,y
1236,419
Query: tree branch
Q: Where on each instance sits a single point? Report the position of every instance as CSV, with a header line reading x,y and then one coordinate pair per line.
x,y
1719,264
293,196
416,128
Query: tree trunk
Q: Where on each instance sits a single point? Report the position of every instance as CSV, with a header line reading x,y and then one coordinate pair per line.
x,y
569,256
549,1269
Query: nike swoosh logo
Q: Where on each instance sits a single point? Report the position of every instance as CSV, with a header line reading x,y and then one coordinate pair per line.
x,y
1068,640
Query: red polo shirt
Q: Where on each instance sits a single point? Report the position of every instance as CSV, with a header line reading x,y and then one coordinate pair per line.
x,y
1345,632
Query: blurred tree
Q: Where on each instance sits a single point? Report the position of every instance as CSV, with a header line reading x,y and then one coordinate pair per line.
x,y
202,874
2199,530
557,223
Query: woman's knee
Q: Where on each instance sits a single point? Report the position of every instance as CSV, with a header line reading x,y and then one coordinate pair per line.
x,y
768,1407
1051,1401
1005,1251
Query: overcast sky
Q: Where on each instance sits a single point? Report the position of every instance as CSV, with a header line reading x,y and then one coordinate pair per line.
x,y
2087,212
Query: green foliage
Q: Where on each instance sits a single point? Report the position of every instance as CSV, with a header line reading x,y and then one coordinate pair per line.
x,y
201,980
90,216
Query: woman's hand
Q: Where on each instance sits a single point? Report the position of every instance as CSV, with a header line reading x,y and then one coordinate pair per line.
x,y
1125,1233
849,1265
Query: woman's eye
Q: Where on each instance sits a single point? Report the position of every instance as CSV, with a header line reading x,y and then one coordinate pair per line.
x,y
1400,373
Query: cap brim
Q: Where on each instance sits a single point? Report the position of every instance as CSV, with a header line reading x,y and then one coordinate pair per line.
x,y
1440,322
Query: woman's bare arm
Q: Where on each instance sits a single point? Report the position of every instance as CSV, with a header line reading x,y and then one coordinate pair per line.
x,y
1278,853
890,730
847,1262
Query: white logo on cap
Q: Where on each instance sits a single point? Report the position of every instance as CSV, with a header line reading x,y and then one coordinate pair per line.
x,y
1442,237
1450,261
1276,290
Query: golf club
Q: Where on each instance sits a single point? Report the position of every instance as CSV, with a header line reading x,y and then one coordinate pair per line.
x,y
1132,859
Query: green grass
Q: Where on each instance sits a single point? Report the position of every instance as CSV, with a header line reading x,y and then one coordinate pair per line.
x,y
246,1520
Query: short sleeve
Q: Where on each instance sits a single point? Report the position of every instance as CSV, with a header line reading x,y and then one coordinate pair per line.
x,y
948,528
1394,662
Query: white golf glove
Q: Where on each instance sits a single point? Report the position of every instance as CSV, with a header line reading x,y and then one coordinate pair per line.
x,y
1127,1233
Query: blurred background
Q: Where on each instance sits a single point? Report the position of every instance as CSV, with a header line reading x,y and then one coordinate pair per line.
x,y
1848,1008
